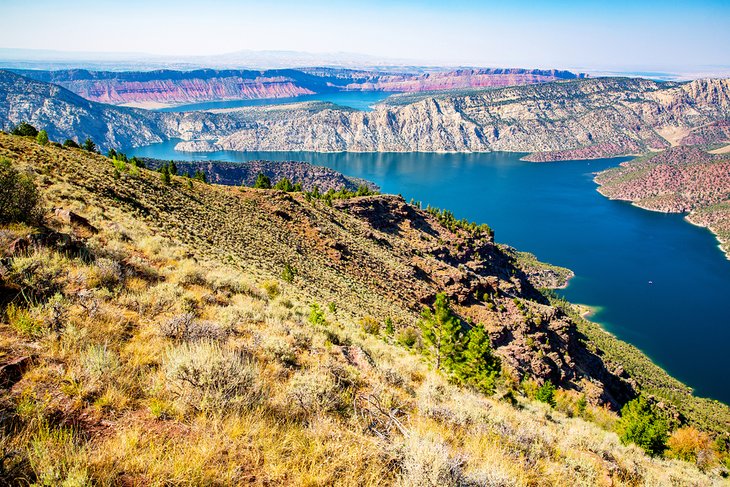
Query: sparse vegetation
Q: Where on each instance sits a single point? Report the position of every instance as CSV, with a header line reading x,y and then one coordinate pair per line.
x,y
162,357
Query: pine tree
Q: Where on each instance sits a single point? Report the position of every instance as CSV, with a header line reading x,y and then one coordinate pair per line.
x,y
173,168
284,185
442,332
89,145
478,367
262,181
641,424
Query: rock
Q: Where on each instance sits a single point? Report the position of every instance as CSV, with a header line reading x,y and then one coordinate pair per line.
x,y
74,219
12,371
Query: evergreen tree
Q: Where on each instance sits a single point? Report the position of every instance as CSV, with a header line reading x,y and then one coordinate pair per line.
x,y
71,144
111,154
173,168
165,174
546,393
641,424
42,137
478,367
89,145
200,176
25,129
442,332
284,185
262,181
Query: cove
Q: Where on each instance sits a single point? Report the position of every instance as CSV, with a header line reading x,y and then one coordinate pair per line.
x,y
657,282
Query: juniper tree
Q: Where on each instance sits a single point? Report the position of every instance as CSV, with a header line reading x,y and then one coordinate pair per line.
x,y
25,129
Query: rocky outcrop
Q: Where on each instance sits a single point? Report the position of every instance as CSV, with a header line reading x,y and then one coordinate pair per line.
x,y
678,180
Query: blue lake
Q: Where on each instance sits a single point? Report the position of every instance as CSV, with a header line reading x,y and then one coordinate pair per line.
x,y
359,100
657,281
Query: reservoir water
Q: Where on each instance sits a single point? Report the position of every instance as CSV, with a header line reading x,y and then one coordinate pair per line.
x,y
656,281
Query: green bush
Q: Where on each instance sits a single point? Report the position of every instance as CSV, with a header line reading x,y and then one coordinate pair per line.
x,y
370,325
316,315
20,200
71,144
641,424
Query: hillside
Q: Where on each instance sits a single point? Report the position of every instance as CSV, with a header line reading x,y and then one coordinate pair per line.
x,y
163,333
166,87
678,180
237,173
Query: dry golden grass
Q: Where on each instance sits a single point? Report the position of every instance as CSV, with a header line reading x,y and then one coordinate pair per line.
x,y
153,364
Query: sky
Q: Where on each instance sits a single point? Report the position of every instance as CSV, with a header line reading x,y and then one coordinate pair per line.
x,y
611,35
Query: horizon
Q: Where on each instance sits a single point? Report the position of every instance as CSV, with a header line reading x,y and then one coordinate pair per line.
x,y
562,35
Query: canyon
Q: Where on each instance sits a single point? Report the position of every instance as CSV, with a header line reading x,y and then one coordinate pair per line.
x,y
575,119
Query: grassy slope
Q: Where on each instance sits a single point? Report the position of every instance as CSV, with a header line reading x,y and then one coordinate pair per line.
x,y
107,395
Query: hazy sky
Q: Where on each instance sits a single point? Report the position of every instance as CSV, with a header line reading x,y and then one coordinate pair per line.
x,y
594,34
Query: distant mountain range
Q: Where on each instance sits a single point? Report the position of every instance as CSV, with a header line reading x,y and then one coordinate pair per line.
x,y
167,87
574,119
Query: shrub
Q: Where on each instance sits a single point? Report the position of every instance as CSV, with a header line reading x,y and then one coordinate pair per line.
x,y
271,288
546,393
207,377
20,200
427,463
42,137
689,443
24,129
313,392
370,325
99,364
23,321
640,424
38,275
288,274
316,315
407,337
185,327
72,144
